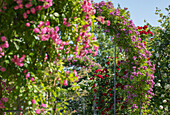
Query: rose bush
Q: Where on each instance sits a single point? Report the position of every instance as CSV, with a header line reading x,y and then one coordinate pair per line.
x,y
37,36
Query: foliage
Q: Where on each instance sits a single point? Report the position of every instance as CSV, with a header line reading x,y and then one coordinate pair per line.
x,y
37,36
159,46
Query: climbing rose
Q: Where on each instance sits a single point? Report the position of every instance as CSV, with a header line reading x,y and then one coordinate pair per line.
x,y
28,75
3,38
3,69
43,105
25,71
33,101
28,24
4,99
32,79
38,111
108,23
65,82
36,30
5,45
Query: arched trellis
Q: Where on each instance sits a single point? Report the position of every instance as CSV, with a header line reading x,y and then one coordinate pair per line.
x,y
105,21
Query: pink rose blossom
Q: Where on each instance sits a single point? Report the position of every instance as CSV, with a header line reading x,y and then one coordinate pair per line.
x,y
25,71
25,15
47,23
134,57
28,12
56,28
38,111
28,5
90,51
108,23
2,53
18,1
65,83
5,45
16,8
36,30
33,10
102,20
43,105
32,79
3,38
27,75
41,23
33,101
3,69
28,24
44,38
20,6
1,105
43,30
38,7
42,110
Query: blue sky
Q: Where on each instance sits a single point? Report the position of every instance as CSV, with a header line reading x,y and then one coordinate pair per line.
x,y
141,10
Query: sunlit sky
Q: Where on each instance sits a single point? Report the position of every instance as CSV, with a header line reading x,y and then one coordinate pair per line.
x,y
141,10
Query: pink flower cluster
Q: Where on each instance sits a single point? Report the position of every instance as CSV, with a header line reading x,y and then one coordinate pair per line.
x,y
78,77
65,82
87,7
3,100
3,7
30,9
1,105
33,101
85,34
4,45
65,22
47,4
18,61
101,20
103,3
28,75
38,111
45,32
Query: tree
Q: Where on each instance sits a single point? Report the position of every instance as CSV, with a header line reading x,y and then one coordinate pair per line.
x,y
159,46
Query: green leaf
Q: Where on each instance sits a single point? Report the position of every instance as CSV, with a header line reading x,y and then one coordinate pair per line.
x,y
95,43
31,54
7,61
161,14
16,46
54,93
18,40
56,14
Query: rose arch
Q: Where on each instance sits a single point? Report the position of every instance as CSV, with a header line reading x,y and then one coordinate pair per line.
x,y
40,37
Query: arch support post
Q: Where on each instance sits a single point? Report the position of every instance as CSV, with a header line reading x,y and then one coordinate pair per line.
x,y
115,81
